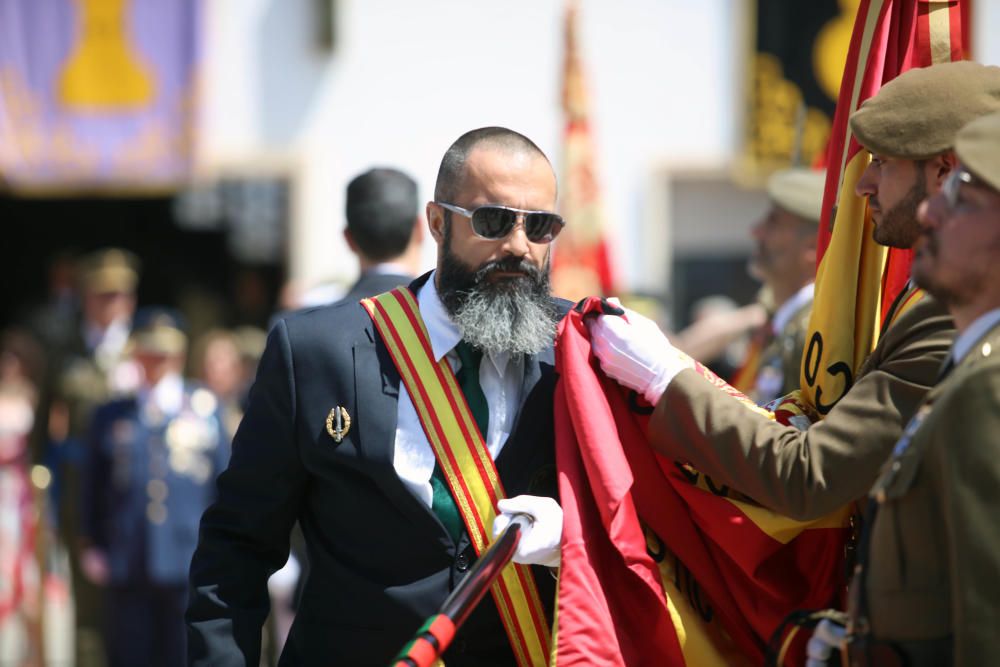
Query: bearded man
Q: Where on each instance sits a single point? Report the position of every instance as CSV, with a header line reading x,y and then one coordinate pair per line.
x,y
394,430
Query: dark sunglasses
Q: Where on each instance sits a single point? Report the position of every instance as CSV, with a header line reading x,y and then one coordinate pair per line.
x,y
495,222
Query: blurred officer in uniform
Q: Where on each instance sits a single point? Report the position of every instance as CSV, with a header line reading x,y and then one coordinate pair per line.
x,y
151,468
909,127
927,590
91,370
785,261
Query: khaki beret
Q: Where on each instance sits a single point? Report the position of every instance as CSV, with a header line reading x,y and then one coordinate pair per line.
x,y
109,270
798,191
916,115
978,147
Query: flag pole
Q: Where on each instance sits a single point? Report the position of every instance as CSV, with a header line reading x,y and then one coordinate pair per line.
x,y
435,635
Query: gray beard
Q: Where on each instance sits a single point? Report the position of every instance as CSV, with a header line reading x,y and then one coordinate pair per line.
x,y
514,315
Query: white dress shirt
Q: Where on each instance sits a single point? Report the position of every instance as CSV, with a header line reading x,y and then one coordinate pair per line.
x,y
499,375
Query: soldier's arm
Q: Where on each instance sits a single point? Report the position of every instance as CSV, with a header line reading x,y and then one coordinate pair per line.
x,y
802,474
244,535
967,472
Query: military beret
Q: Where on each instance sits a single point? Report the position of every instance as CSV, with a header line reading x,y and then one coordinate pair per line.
x,y
798,191
158,330
916,115
109,270
978,147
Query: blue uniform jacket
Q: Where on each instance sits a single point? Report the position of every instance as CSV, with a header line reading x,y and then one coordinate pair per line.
x,y
149,477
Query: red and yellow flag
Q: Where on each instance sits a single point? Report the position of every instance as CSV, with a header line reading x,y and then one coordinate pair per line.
x,y
660,565
857,279
581,261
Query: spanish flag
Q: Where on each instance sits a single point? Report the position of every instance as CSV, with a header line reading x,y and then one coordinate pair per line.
x,y
660,565
581,262
857,279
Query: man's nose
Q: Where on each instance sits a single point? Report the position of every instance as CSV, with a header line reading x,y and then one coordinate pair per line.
x,y
517,243
932,211
867,185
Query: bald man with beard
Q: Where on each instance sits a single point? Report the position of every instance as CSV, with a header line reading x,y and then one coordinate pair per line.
x,y
334,437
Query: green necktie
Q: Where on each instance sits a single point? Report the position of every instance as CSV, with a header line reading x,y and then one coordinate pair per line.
x,y
468,380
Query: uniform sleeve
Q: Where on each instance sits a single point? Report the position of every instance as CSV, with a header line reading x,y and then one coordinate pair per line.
x,y
244,535
802,474
968,461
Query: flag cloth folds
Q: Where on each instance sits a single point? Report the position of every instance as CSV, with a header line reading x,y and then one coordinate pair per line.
x,y
857,279
660,566
581,260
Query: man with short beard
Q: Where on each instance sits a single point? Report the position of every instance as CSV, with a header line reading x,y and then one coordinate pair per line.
x,y
909,127
926,587
347,431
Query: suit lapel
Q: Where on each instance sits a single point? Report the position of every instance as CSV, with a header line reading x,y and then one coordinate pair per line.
x,y
376,383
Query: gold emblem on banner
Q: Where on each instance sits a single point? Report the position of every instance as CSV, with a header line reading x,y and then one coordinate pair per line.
x,y
338,423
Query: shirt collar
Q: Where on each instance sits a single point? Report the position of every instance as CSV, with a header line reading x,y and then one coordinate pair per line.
x,y
788,309
968,338
388,269
441,330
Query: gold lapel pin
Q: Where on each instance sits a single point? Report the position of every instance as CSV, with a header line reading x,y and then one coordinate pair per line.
x,y
338,423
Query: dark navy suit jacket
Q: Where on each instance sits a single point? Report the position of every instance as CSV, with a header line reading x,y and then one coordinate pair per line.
x,y
381,562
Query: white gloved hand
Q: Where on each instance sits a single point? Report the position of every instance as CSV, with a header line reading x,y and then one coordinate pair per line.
x,y
636,353
827,636
539,543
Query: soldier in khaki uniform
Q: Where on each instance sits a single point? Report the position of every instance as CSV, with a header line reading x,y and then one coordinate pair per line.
x,y
909,126
90,371
928,588
785,260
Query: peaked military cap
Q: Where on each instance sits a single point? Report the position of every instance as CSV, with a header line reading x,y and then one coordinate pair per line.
x,y
109,270
916,115
158,330
798,191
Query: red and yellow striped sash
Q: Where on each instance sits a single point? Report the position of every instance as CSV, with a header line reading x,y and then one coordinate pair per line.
x,y
466,463
906,301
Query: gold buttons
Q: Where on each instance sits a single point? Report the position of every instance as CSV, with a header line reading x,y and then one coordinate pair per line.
x,y
157,490
156,513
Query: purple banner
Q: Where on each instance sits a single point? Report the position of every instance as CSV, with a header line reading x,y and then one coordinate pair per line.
x,y
97,94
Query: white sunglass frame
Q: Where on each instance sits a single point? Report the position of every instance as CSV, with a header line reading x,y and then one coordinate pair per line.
x,y
522,213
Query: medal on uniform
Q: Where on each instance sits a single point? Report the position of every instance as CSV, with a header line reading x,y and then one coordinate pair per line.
x,y
338,423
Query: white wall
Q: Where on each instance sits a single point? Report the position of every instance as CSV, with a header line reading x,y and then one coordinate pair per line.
x,y
407,78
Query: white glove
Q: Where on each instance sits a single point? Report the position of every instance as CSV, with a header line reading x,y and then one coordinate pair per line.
x,y
827,636
539,543
636,353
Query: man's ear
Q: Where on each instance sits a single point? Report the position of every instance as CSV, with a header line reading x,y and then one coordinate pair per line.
x,y
417,236
435,222
350,241
939,167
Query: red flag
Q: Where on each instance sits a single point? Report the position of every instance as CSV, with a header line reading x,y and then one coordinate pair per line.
x,y
857,279
581,260
659,566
